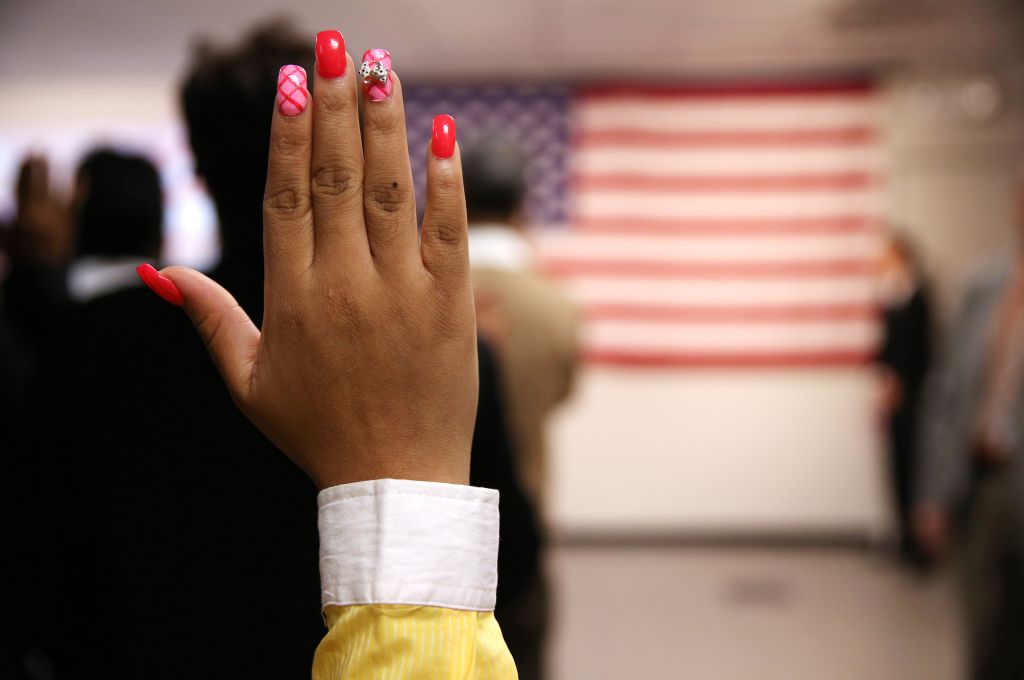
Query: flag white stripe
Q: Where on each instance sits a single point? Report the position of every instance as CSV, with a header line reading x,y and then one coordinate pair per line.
x,y
731,337
726,162
739,205
600,247
813,112
720,292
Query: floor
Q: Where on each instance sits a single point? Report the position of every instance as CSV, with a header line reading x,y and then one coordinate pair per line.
x,y
701,613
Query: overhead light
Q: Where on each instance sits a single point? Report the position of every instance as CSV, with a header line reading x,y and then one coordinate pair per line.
x,y
981,98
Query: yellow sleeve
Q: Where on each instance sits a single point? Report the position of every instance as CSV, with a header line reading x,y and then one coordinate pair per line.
x,y
412,643
408,578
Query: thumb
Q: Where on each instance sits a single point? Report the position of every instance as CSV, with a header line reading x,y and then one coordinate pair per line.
x,y
229,334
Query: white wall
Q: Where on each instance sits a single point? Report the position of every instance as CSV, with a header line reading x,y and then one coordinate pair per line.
x,y
952,179
707,451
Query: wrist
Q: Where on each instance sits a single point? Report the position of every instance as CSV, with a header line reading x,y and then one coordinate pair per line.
x,y
446,469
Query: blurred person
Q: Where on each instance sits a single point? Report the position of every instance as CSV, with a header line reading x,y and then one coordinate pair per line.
x,y
118,211
493,466
364,373
37,247
186,505
972,460
531,322
40,247
533,327
224,100
903,362
35,316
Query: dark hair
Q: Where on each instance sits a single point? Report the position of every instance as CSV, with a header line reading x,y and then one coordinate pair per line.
x,y
494,175
121,207
228,98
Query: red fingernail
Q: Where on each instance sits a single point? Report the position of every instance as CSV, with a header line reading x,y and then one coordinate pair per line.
x,y
376,74
160,284
443,140
330,54
291,90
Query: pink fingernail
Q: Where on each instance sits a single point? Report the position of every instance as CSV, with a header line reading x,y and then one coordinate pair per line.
x,y
376,74
291,90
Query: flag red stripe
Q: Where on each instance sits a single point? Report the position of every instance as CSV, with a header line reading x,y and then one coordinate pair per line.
x,y
725,90
840,224
737,360
703,138
561,267
738,313
849,180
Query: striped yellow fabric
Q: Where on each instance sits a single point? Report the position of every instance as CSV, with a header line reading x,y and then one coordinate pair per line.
x,y
388,642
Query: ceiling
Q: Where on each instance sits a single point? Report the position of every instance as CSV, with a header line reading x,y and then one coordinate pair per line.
x,y
525,38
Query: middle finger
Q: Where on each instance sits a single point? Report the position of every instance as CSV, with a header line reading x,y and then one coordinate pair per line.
x,y
337,163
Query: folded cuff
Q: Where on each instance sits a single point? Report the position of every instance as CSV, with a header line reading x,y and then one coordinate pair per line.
x,y
395,541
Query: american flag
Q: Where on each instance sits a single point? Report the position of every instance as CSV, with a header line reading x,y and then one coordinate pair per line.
x,y
697,226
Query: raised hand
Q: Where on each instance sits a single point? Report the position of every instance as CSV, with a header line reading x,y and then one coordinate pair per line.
x,y
43,230
365,366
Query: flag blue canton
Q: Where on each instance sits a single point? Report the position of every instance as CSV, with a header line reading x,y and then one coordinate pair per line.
x,y
535,117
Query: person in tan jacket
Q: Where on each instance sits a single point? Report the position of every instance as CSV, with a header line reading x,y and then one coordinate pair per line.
x,y
533,328
527,317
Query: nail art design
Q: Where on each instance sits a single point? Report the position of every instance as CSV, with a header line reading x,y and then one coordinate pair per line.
x,y
376,74
160,284
442,141
291,90
330,54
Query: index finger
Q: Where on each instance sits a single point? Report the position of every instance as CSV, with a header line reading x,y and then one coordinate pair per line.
x,y
287,212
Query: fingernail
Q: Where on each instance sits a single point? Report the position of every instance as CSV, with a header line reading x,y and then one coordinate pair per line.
x,y
443,140
160,284
376,74
291,90
330,54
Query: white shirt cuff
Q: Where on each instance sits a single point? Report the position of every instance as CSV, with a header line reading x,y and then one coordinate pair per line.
x,y
396,541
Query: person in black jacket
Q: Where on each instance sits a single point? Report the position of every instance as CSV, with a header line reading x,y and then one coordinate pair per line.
x,y
903,360
188,502
144,497
493,465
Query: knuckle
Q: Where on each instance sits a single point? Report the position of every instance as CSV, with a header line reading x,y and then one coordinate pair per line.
x,y
335,179
345,307
336,102
387,198
284,203
450,326
448,232
209,328
380,125
288,142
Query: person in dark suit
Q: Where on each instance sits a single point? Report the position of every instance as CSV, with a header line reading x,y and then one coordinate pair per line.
x,y
904,360
177,503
